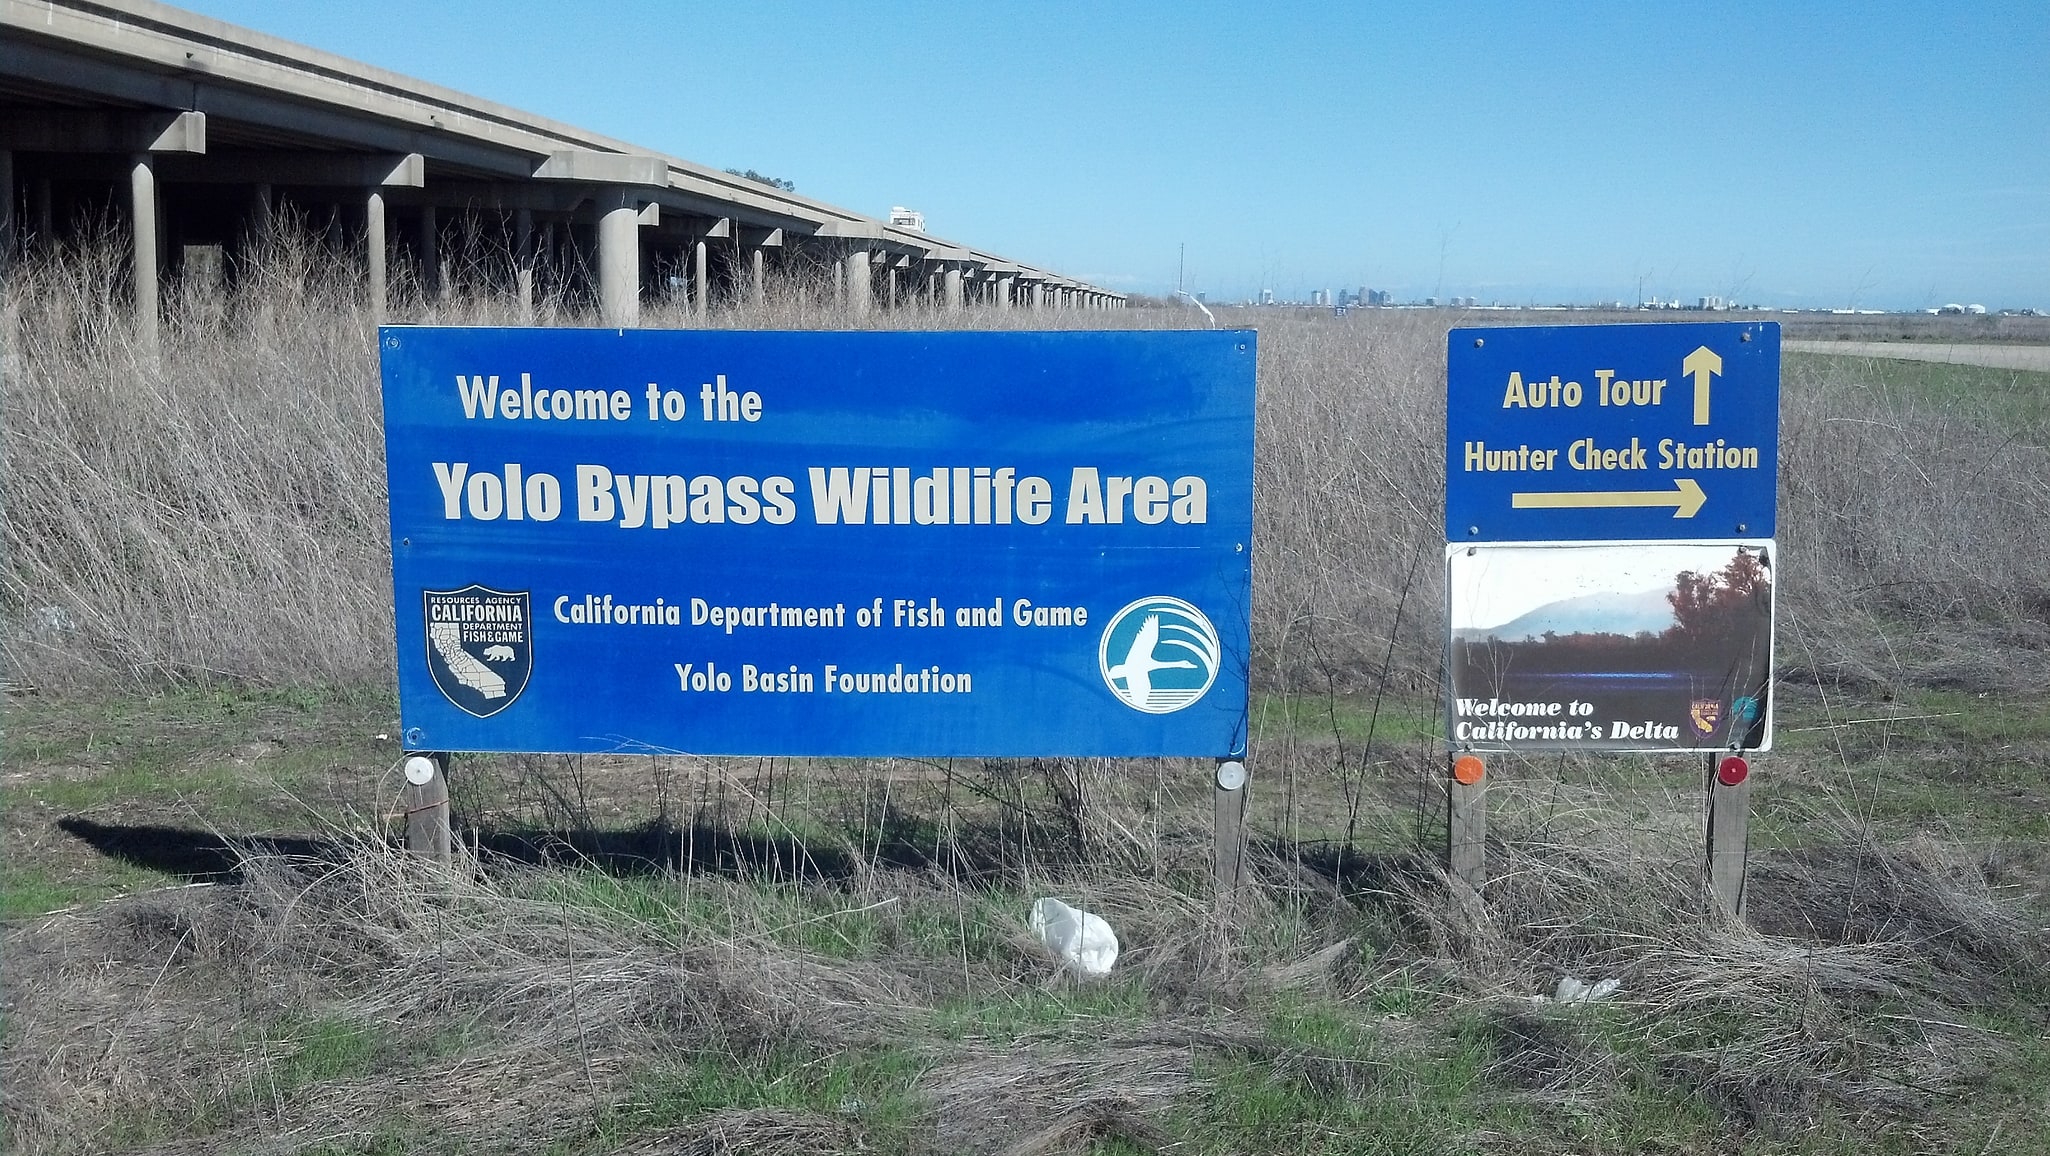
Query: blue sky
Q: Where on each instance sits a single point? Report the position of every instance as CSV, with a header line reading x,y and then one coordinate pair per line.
x,y
1876,155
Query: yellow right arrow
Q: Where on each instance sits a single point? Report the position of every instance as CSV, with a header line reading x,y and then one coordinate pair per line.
x,y
1701,365
1686,498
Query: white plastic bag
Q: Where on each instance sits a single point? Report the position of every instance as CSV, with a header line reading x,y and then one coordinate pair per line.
x,y
1575,990
1082,941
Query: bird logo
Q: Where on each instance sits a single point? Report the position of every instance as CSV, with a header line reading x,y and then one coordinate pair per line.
x,y
1158,654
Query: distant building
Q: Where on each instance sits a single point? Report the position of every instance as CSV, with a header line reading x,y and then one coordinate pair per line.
x,y
1266,296
903,218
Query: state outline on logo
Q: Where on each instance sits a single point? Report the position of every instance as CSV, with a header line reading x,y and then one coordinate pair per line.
x,y
479,684
1194,635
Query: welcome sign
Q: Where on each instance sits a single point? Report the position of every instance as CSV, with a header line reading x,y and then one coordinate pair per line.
x,y
867,544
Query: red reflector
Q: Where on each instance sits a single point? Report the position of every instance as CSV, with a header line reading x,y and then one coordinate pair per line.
x,y
1732,771
1468,770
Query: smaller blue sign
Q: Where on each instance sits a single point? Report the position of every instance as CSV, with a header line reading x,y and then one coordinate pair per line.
x,y
1612,432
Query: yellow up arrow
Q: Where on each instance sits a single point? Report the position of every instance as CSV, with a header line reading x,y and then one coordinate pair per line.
x,y
1685,497
1701,365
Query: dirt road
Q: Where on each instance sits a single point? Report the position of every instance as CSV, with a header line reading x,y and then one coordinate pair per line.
x,y
2031,357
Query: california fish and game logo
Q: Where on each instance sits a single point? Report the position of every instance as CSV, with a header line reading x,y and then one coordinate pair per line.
x,y
1704,714
480,646
1158,654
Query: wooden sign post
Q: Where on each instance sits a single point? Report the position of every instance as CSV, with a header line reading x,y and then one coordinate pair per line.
x,y
425,800
1467,820
1729,830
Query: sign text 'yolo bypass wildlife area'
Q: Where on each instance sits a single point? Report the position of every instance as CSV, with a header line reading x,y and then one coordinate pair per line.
x,y
877,543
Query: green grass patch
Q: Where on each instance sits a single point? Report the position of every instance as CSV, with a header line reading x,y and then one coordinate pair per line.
x,y
1391,723
27,891
327,1048
1014,1011
150,778
1951,720
824,921
185,743
2017,397
1337,1088
870,1088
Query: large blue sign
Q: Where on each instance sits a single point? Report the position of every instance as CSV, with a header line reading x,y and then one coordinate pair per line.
x,y
878,543
1612,432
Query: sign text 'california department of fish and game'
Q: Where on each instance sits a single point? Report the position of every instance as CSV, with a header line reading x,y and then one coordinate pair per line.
x,y
821,543
1612,432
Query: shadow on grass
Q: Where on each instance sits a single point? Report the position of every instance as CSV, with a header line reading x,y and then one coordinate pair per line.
x,y
971,856
1355,871
196,855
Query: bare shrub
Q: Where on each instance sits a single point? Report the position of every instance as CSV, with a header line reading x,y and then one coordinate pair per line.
x,y
218,513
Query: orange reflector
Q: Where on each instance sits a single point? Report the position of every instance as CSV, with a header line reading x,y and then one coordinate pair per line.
x,y
1732,771
1468,770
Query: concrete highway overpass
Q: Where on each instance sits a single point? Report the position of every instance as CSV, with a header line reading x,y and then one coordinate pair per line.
x,y
191,131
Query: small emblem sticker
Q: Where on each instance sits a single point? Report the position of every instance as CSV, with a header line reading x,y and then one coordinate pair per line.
x,y
480,646
1704,715
1158,654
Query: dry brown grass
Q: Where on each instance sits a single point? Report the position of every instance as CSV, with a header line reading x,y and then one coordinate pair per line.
x,y
220,513
511,1018
219,516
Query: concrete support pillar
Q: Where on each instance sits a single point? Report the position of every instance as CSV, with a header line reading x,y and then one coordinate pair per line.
x,y
860,288
523,260
43,210
430,252
1005,286
953,287
142,198
759,291
932,288
7,243
262,211
373,245
890,276
700,278
619,260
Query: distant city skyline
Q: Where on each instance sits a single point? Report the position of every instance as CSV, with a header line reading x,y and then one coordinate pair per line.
x,y
1839,155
